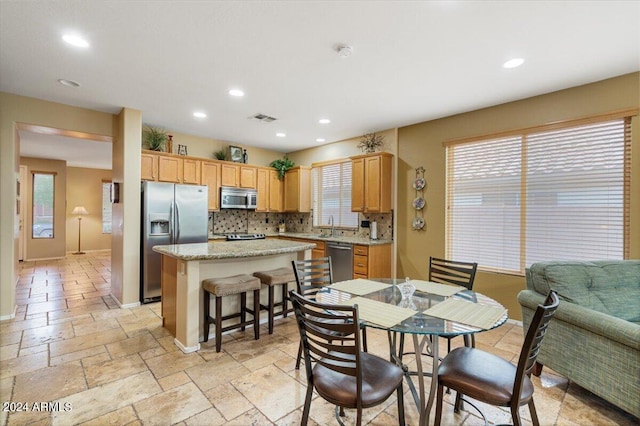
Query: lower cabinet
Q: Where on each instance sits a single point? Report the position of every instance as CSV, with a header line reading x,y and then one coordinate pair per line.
x,y
372,261
317,252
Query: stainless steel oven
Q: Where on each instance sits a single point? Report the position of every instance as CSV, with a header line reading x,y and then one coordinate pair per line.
x,y
235,198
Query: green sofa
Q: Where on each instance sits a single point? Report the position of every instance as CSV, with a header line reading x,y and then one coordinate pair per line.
x,y
594,337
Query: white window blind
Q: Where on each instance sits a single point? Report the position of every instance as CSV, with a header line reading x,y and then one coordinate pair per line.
x,y
332,195
544,195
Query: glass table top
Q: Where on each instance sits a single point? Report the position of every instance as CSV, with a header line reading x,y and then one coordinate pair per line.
x,y
419,322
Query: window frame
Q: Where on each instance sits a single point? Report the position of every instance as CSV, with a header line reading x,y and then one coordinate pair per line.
x,y
34,174
623,115
344,218
107,201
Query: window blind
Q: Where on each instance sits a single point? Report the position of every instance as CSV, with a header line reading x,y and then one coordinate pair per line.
x,y
541,195
332,195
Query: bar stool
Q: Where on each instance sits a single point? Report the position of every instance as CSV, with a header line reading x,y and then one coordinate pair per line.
x,y
227,286
276,277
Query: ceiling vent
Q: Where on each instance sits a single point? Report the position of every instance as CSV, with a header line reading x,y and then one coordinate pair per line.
x,y
264,118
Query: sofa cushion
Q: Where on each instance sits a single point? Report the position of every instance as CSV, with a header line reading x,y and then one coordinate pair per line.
x,y
610,287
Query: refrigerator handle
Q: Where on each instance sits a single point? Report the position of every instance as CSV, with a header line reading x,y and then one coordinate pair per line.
x,y
172,226
177,224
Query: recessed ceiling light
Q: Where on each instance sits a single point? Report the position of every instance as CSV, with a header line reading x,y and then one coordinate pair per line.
x,y
236,92
281,135
513,63
68,83
320,140
199,114
324,121
75,40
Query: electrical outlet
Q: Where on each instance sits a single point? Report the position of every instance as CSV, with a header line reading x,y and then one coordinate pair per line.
x,y
266,220
301,221
364,224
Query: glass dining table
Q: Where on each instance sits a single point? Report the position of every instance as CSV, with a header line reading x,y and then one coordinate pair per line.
x,y
434,310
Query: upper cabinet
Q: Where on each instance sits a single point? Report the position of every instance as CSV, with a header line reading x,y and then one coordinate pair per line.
x,y
371,183
270,190
149,166
276,192
163,167
210,176
238,175
297,189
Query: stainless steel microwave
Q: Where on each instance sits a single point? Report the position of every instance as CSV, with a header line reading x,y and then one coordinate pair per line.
x,y
235,198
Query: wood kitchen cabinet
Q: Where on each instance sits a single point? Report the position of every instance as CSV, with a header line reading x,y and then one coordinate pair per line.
x,y
276,192
263,190
297,189
270,190
191,171
210,176
317,252
148,166
169,169
371,183
372,261
238,176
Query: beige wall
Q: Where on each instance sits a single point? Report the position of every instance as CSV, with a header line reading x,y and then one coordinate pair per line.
x,y
125,242
84,188
341,149
46,248
205,147
16,109
421,145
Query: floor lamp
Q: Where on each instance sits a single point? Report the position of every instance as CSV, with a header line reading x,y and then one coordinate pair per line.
x,y
80,211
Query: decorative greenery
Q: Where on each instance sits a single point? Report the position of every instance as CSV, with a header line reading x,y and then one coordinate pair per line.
x,y
221,155
282,165
154,138
371,142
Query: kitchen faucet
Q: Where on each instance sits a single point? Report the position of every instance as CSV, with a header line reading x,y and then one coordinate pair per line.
x,y
331,223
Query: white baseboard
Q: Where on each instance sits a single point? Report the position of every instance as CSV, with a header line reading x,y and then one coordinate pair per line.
x,y
186,349
10,316
126,305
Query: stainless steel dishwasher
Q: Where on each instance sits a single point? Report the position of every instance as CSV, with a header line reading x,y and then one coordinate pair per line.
x,y
341,260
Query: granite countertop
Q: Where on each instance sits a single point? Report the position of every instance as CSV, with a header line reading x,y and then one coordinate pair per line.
x,y
339,239
232,249
309,236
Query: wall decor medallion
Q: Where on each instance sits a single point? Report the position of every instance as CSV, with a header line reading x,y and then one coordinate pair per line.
x,y
419,203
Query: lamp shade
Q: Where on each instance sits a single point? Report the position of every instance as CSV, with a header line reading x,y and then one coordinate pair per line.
x,y
80,210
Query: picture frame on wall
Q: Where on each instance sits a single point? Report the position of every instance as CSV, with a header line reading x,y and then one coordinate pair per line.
x,y
235,154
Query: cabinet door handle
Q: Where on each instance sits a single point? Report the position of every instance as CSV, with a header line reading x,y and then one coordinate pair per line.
x,y
360,264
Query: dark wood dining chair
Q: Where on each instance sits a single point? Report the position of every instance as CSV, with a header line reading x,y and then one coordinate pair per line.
x,y
493,380
311,276
336,367
454,272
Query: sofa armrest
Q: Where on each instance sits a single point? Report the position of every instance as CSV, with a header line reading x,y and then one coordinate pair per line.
x,y
623,332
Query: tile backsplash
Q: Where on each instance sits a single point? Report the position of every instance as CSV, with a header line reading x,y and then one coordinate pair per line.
x,y
237,221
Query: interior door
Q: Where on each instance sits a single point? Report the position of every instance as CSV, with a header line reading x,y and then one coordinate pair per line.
x,y
22,213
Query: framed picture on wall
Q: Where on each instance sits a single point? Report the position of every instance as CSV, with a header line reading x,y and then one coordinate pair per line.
x,y
235,154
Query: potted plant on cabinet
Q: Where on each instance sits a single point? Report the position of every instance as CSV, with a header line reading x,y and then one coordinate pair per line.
x,y
371,142
154,138
282,165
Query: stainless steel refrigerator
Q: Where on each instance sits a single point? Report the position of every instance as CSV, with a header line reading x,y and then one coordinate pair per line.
x,y
171,214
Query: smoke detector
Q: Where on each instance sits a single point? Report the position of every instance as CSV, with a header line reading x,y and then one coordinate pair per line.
x,y
344,51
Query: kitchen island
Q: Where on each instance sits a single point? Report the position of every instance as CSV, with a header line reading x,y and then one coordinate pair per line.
x,y
184,266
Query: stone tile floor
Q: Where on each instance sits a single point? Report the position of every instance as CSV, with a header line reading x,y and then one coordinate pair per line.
x,y
75,357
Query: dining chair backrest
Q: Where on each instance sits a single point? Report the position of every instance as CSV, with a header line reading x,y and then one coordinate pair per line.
x,y
452,272
312,274
533,339
329,335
